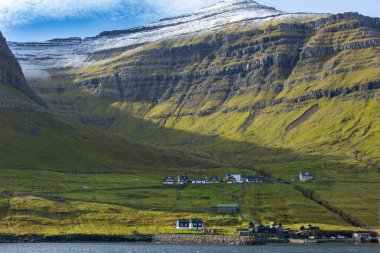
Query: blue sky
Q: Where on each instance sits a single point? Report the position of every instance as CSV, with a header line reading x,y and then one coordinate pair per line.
x,y
38,20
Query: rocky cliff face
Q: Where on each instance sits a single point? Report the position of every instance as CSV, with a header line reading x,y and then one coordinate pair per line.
x,y
11,73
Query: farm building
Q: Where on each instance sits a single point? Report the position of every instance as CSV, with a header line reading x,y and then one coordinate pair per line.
x,y
228,208
306,176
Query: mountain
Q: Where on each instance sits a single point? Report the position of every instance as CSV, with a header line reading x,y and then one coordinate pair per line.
x,y
33,136
237,70
244,84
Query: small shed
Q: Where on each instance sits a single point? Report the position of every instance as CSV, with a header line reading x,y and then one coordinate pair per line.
x,y
243,232
228,208
306,176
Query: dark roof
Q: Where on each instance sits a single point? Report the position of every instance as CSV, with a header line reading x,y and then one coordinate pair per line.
x,y
183,177
183,220
250,177
228,205
306,174
196,221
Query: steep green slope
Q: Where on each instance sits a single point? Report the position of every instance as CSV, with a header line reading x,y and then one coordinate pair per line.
x,y
32,136
310,86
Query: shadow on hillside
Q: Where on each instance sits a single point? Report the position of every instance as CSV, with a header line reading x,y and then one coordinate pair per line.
x,y
242,154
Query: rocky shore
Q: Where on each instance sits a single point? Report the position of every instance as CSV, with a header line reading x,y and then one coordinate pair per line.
x,y
159,239
211,240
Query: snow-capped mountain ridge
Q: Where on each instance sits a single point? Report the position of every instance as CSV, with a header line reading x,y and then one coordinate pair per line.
x,y
221,13
35,58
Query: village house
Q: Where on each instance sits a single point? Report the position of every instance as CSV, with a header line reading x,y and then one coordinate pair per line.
x,y
214,180
168,180
362,237
190,224
183,180
183,224
228,208
230,180
306,176
200,181
196,224
251,179
233,178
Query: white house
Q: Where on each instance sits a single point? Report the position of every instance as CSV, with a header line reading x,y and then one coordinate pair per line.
x,y
231,176
306,176
183,224
200,181
190,224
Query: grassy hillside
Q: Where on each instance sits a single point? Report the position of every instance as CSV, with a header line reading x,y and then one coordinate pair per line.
x,y
244,87
33,137
55,203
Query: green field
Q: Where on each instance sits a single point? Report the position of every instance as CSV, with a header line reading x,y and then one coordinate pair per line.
x,y
62,203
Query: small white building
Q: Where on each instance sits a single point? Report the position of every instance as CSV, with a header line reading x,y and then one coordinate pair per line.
x,y
183,224
306,176
200,181
233,178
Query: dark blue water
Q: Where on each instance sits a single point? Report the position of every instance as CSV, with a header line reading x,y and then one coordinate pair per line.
x,y
152,248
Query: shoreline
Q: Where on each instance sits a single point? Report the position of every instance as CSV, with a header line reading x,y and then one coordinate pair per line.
x,y
155,239
183,239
